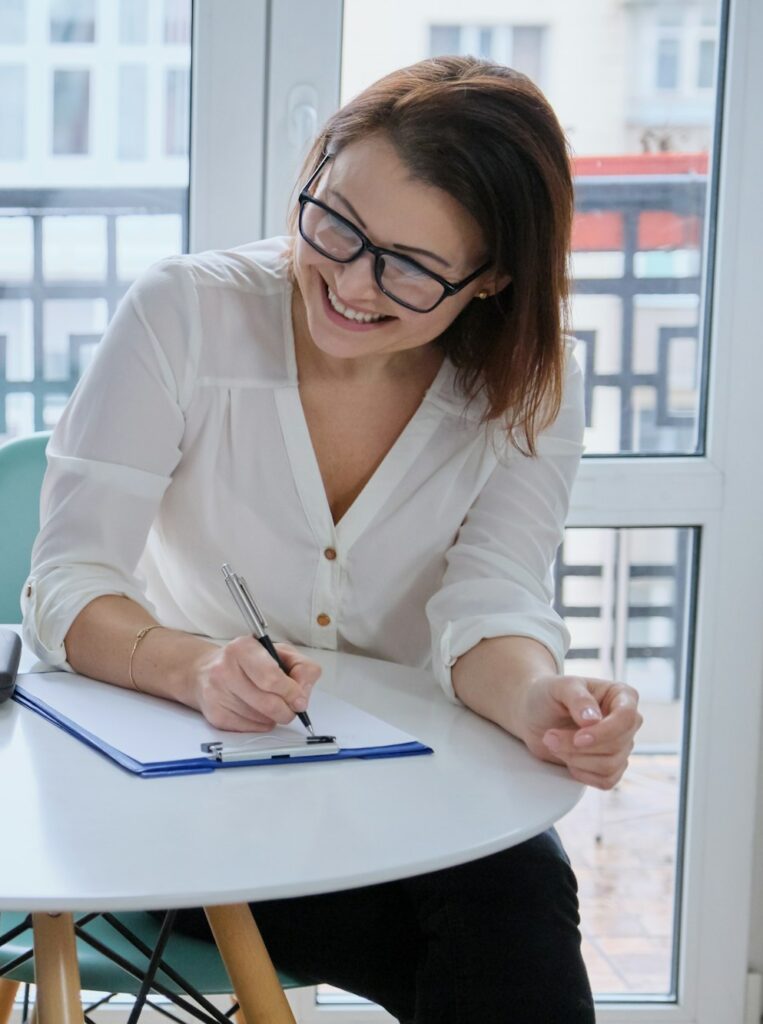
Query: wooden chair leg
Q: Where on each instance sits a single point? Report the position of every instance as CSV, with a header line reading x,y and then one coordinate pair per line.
x,y
56,970
8,990
237,1017
251,970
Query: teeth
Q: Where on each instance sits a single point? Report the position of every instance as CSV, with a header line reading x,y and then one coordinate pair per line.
x,y
352,314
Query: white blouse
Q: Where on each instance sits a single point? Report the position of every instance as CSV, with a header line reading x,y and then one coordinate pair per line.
x,y
185,446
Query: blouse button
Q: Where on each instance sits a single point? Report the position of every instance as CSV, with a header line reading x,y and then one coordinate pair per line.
x,y
330,553
323,619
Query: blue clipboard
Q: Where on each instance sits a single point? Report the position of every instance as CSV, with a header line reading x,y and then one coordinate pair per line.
x,y
131,729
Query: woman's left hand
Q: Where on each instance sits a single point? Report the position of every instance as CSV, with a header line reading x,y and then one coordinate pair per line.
x,y
587,725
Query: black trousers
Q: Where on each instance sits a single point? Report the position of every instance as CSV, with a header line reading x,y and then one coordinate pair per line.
x,y
492,941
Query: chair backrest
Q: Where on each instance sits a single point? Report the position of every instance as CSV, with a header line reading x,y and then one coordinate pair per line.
x,y
22,466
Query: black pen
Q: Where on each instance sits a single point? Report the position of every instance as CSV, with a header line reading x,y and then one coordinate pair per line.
x,y
257,624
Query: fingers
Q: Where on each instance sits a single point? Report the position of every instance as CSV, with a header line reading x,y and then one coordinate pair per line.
x,y
246,685
605,712
597,753
299,666
602,769
622,719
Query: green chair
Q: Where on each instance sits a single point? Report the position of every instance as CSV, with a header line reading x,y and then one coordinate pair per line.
x,y
22,465
115,951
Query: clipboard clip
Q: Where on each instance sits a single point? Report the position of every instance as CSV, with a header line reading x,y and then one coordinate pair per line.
x,y
264,748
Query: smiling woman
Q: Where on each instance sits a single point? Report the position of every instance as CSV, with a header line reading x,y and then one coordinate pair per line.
x,y
379,421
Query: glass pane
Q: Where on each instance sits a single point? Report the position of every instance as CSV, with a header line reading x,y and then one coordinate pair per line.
x,y
641,128
706,65
626,597
133,109
72,21
667,63
176,121
12,21
12,114
89,196
133,22
71,113
177,24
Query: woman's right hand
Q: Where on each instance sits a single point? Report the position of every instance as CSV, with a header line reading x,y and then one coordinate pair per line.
x,y
240,687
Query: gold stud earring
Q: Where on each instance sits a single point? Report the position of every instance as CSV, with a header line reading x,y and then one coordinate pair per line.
x,y
483,294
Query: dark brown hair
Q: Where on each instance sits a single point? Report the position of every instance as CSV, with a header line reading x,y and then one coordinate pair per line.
x,y
486,135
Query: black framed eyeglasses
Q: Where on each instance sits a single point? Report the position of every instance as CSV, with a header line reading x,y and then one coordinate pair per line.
x,y
401,278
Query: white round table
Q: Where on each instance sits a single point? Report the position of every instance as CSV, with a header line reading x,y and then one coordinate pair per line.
x,y
83,834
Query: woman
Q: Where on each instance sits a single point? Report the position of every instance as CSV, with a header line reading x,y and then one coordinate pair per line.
x,y
377,421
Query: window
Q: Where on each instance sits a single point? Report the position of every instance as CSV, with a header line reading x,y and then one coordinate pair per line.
x,y
527,50
444,39
71,112
133,97
520,46
133,22
706,64
176,122
12,21
90,199
667,63
177,21
12,111
72,21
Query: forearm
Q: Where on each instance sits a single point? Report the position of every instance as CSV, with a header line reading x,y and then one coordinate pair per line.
x,y
100,641
494,676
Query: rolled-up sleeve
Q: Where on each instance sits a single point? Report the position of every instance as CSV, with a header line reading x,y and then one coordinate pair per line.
x,y
111,457
498,580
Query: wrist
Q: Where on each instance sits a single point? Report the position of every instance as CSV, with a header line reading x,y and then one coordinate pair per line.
x,y
167,664
497,678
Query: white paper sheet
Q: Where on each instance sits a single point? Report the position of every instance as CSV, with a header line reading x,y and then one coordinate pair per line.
x,y
153,730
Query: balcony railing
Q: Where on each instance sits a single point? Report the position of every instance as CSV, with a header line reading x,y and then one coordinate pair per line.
x,y
636,236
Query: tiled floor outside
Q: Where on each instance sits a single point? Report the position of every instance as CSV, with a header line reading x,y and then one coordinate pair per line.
x,y
626,879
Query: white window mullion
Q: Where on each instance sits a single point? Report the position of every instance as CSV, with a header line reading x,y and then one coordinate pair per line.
x,y
228,91
303,91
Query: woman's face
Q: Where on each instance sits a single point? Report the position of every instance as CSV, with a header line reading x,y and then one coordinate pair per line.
x,y
369,185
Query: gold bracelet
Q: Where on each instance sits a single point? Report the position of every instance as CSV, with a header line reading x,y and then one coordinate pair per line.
x,y
138,638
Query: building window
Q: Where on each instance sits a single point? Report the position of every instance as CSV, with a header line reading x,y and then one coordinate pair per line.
x,y
133,22
12,22
177,21
12,113
527,51
519,46
71,112
176,121
444,39
72,21
706,64
133,97
667,63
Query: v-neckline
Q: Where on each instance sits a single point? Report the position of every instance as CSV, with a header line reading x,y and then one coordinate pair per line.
x,y
408,445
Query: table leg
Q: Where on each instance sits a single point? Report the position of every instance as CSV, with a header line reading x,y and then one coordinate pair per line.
x,y
56,970
248,963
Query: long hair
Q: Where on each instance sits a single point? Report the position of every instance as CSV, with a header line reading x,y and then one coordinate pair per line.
x,y
486,135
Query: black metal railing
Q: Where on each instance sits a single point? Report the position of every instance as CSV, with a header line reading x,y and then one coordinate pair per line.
x,y
46,388
663,430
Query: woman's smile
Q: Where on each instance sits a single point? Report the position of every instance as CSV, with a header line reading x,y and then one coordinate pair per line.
x,y
346,316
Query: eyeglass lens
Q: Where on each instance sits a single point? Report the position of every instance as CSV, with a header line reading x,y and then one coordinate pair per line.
x,y
337,240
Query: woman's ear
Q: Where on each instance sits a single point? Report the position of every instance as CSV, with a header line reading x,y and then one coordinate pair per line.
x,y
499,282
